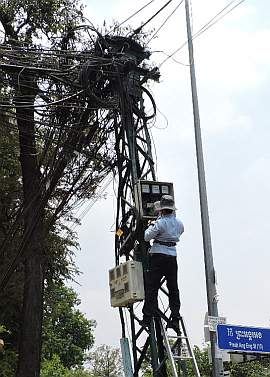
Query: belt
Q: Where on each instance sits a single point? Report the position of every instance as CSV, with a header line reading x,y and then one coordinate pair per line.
x,y
162,255
164,243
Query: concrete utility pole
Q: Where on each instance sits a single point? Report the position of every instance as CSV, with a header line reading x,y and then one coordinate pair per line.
x,y
208,256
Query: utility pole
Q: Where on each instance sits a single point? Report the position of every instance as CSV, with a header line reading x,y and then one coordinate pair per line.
x,y
208,256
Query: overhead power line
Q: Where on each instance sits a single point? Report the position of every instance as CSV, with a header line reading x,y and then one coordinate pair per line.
x,y
130,17
136,31
207,26
166,20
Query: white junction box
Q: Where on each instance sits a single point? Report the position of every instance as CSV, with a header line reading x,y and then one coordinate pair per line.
x,y
126,284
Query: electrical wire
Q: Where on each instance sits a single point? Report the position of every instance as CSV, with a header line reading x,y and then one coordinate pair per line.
x,y
130,17
166,20
207,26
170,57
166,120
44,115
27,105
21,210
220,18
58,131
92,203
137,31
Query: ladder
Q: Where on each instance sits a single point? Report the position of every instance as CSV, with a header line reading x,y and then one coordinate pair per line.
x,y
179,350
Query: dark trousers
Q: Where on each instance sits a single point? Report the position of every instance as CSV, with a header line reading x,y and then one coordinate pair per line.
x,y
161,265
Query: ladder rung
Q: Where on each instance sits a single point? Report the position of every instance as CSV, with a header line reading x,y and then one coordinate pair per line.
x,y
182,357
177,337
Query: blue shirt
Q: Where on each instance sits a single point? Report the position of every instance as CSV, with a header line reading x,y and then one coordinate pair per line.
x,y
167,229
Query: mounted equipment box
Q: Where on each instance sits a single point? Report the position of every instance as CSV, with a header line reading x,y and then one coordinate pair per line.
x,y
126,284
149,192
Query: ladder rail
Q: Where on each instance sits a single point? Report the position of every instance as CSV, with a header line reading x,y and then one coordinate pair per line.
x,y
168,348
194,362
170,355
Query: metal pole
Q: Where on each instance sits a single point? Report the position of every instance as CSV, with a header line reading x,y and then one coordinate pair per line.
x,y
208,257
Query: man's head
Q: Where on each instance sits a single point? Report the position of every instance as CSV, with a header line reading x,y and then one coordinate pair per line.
x,y
167,205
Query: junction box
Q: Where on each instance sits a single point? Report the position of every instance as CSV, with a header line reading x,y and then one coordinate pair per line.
x,y
149,192
126,284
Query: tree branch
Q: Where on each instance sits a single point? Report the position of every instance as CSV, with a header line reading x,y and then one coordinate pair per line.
x,y
7,25
25,22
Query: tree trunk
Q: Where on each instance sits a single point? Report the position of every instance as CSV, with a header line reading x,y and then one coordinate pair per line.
x,y
31,330
31,325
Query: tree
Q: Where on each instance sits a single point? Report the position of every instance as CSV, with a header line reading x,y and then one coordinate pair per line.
x,y
53,368
22,21
7,358
67,334
259,368
25,19
10,195
44,195
105,361
256,368
60,246
202,360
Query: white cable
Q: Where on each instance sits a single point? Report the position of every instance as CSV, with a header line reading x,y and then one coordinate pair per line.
x,y
47,104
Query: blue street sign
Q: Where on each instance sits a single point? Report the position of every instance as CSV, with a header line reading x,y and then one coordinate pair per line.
x,y
243,339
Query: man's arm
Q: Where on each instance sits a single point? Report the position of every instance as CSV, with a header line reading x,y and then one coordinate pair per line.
x,y
151,232
182,228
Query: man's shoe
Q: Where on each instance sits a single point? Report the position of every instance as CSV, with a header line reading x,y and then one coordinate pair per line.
x,y
146,322
174,324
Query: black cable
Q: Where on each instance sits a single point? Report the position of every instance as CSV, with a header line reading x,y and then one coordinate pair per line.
x,y
129,18
141,113
150,19
166,20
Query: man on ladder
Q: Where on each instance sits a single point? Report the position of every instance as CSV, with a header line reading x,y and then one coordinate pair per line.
x,y
165,232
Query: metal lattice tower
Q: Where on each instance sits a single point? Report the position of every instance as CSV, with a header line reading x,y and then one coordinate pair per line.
x,y
135,162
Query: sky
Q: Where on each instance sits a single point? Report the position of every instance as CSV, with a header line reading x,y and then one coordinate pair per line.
x,y
233,78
